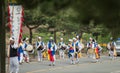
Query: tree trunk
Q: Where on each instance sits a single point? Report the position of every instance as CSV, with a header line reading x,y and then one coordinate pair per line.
x,y
2,37
80,36
30,32
55,36
31,36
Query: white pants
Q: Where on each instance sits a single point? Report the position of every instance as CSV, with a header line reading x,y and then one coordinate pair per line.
x,y
61,54
39,52
21,57
72,58
26,56
77,59
14,65
111,54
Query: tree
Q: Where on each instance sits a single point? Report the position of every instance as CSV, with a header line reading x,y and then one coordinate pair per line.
x,y
2,40
102,12
33,22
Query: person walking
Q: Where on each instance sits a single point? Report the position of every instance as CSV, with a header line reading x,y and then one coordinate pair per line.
x,y
52,47
40,47
61,48
13,57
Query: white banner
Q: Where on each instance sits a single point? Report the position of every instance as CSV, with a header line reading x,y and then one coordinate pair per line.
x,y
15,12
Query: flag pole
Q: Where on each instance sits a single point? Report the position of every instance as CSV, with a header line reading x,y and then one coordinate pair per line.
x,y
10,22
8,51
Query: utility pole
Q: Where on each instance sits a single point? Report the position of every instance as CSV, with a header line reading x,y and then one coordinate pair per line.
x,y
2,37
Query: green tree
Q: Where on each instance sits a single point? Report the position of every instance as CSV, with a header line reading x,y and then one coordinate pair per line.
x,y
102,12
33,21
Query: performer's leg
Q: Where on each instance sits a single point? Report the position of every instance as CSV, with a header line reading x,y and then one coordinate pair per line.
x,y
41,56
16,65
50,63
38,53
73,56
53,63
60,54
71,60
63,54
27,54
21,57
115,54
93,56
88,55
77,59
111,55
11,65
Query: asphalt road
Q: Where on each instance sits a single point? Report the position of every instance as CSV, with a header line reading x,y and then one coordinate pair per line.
x,y
86,65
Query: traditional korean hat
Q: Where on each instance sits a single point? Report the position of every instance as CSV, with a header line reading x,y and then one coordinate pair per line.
x,y
70,40
39,38
11,39
51,38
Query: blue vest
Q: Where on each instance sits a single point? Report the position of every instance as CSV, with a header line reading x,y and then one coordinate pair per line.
x,y
50,45
76,44
38,43
25,45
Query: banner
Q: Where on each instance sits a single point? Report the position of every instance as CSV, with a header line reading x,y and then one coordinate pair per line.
x,y
15,13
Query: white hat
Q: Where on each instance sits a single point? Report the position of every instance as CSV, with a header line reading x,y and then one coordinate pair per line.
x,y
61,38
70,40
90,38
11,39
111,38
74,39
77,36
51,38
39,37
26,39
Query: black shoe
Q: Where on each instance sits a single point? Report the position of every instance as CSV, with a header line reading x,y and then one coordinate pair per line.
x,y
53,64
49,64
20,63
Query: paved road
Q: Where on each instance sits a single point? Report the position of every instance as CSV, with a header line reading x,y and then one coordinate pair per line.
x,y
86,65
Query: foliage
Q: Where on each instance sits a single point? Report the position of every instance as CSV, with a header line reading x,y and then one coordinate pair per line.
x,y
77,15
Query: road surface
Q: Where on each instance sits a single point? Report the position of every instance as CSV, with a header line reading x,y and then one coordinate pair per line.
x,y
86,65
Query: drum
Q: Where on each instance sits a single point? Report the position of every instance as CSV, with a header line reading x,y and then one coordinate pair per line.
x,y
90,51
112,48
40,47
30,49
63,48
77,49
83,46
115,54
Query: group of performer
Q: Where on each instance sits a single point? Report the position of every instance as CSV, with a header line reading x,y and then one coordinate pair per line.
x,y
93,49
20,53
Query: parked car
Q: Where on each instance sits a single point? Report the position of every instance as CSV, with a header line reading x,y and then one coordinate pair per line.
x,y
118,47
